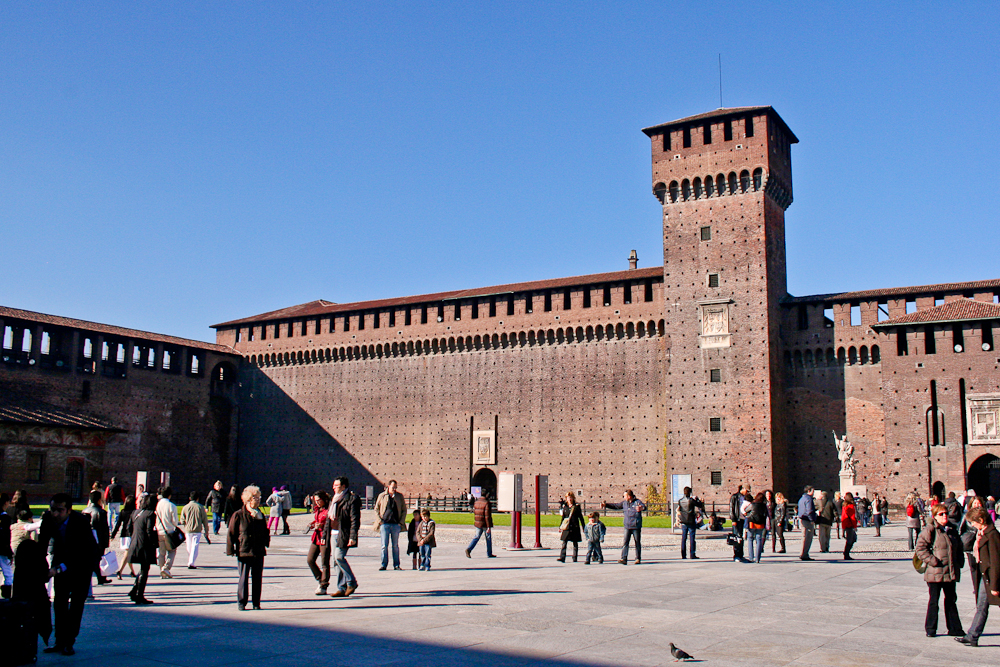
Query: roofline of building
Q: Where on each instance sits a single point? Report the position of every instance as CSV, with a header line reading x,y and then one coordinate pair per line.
x,y
721,112
916,290
497,290
71,427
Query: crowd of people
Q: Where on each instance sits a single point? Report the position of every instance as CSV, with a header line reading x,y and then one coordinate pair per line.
x,y
62,557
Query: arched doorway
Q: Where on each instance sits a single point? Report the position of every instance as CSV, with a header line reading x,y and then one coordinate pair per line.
x,y
937,489
984,476
487,479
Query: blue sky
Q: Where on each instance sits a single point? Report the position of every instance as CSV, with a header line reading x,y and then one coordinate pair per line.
x,y
169,166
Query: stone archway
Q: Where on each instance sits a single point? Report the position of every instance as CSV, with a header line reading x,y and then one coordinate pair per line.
x,y
937,489
984,476
487,479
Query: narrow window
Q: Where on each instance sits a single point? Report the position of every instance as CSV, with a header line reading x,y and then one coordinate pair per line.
x,y
567,299
706,134
957,338
675,192
727,130
319,326
361,321
347,322
930,345
46,344
902,345
666,141
423,314
8,338
709,186
291,329
510,305
392,319
493,306
277,331
648,291
475,310
706,233
239,335
938,300
607,295
715,375
528,306
251,334
36,467
855,315
586,297
458,311
911,306
407,317
85,391
748,125
713,280
716,478
758,179
715,424
934,435
803,317
548,301
440,315
744,180
987,336
883,312
687,137
195,365
376,320
627,292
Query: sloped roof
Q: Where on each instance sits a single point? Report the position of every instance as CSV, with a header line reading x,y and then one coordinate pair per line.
x,y
721,112
321,307
122,332
16,409
961,310
918,290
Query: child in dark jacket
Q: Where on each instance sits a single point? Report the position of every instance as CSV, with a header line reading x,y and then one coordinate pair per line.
x,y
411,537
594,531
425,538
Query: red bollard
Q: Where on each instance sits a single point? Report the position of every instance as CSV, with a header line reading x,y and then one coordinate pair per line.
x,y
517,538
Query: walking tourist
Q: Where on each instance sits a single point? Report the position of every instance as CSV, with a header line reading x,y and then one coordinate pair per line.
x,y
954,509
838,509
274,504
914,520
142,547
248,538
632,509
194,522
941,551
216,501
735,501
987,557
849,521
425,538
319,548
687,516
412,548
769,533
286,508
6,553
482,519
343,534
876,514
19,503
780,519
73,553
571,527
824,521
166,524
99,524
967,534
390,513
114,496
124,524
757,524
595,531
807,518
232,505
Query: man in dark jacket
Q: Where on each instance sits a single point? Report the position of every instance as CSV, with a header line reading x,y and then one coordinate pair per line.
x,y
99,523
688,518
954,509
342,533
807,518
74,550
735,501
632,509
483,521
216,501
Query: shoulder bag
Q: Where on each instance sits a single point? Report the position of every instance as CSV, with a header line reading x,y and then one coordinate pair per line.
x,y
174,538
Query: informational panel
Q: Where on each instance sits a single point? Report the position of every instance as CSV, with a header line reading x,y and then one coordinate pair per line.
x,y
677,484
476,491
140,481
543,492
484,448
509,492
369,492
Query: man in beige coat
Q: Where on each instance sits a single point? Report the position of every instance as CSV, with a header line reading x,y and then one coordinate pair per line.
x,y
390,513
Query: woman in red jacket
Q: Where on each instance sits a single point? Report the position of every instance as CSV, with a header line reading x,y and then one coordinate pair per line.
x,y
849,522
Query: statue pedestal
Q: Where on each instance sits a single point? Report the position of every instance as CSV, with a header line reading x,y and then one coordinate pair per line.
x,y
847,485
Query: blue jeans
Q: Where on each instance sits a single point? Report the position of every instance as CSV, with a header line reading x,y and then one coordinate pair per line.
x,y
686,531
216,522
475,541
594,551
345,576
425,557
390,533
982,611
756,543
113,510
631,533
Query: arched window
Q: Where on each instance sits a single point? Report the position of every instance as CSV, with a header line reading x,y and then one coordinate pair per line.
x,y
599,332
640,331
831,358
496,341
630,330
651,328
661,328
864,354
477,342
876,355
686,189
709,186
580,336
758,178
531,338
674,192
820,357
379,351
744,181
550,336
720,184
660,192
699,192
561,335
590,333
619,331
733,183
797,356
808,359
852,355
841,356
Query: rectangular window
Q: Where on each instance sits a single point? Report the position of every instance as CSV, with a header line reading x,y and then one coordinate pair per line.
x,y
408,317
510,305
333,324
251,334
883,312
911,306
361,321
715,375
930,345
987,336
528,308
475,310
347,323
706,233
239,335
713,280
687,137
827,318
607,295
803,317
376,320
748,125
493,306
727,130
423,314
666,141
957,338
715,424
548,301
648,295
627,293
938,300
85,391
291,329
706,134
902,345
568,299
36,467
586,296
392,318
458,311
855,315
277,331
319,326
716,478
440,315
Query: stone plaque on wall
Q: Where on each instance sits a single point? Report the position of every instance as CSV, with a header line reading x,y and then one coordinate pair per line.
x,y
984,418
715,324
484,448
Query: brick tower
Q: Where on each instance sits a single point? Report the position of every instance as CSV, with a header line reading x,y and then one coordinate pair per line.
x,y
724,179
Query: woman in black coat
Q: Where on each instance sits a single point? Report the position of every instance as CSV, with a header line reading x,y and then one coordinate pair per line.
x,y
248,539
232,505
572,525
142,547
124,524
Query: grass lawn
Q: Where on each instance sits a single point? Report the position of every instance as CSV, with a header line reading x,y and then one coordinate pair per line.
x,y
548,520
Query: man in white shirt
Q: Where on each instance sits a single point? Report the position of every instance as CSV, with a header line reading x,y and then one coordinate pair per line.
x,y
166,523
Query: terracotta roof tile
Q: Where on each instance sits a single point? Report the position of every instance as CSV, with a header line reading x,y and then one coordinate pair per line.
x,y
918,290
15,409
56,320
719,113
954,311
320,307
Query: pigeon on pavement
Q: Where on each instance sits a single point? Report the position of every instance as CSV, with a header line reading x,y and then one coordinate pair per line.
x,y
679,654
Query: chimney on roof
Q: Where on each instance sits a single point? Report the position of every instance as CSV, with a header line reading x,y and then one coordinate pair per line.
x,y
633,261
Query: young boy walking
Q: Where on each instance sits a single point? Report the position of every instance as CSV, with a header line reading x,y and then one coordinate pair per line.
x,y
425,539
594,532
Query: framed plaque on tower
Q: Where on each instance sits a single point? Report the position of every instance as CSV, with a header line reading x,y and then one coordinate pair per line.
x,y
484,448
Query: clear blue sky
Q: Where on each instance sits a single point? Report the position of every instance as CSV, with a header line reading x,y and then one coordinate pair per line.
x,y
167,166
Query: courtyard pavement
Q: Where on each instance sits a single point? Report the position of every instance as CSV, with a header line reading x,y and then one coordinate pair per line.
x,y
524,608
